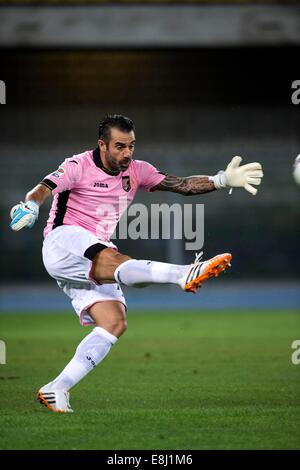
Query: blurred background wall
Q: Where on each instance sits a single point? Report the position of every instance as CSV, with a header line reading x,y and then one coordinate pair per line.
x,y
202,82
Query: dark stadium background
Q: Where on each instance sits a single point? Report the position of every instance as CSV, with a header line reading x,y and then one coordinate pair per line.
x,y
194,108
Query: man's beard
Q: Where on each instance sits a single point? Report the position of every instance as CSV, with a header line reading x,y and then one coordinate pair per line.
x,y
123,165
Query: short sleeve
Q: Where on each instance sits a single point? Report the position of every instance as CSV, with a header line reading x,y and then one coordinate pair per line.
x,y
64,178
148,176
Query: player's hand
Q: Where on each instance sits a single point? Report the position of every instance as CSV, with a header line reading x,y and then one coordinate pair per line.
x,y
23,215
236,176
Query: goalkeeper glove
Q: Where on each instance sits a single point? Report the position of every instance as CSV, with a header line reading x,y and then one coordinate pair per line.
x,y
236,176
24,214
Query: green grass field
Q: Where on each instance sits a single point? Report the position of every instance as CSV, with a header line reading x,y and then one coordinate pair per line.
x,y
182,380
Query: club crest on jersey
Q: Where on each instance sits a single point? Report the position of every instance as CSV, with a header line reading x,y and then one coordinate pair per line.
x,y
126,183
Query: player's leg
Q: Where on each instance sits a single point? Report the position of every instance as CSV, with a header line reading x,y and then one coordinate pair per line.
x,y
110,320
109,315
110,266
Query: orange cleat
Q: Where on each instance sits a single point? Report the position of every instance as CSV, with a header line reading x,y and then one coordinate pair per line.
x,y
200,271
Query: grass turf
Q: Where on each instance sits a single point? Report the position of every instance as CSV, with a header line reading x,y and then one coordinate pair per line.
x,y
181,380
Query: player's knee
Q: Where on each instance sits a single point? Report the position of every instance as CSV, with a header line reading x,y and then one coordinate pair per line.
x,y
110,256
118,258
105,263
122,327
117,326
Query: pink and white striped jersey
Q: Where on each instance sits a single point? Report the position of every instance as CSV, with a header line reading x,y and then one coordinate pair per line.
x,y
89,196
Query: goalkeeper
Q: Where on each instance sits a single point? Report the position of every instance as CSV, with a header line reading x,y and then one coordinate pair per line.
x,y
78,253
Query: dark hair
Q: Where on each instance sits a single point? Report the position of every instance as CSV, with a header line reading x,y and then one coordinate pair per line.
x,y
122,123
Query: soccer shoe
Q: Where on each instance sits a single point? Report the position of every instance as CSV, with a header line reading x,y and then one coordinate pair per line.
x,y
199,271
56,400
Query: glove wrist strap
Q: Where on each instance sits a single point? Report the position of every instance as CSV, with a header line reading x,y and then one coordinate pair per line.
x,y
32,204
219,180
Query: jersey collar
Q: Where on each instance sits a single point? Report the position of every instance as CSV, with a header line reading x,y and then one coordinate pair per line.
x,y
99,164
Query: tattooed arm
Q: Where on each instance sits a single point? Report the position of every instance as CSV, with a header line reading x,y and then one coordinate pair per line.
x,y
235,176
186,185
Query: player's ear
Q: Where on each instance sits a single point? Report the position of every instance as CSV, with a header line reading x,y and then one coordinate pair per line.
x,y
102,144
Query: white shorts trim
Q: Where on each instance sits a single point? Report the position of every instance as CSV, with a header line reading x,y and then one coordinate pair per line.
x,y
63,257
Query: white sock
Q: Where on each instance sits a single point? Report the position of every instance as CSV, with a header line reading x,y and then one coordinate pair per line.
x,y
92,349
140,272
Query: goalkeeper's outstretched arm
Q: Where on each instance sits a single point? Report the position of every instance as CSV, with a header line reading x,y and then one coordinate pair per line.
x,y
25,214
235,176
186,186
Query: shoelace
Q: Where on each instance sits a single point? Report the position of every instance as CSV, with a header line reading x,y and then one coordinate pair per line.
x,y
198,257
